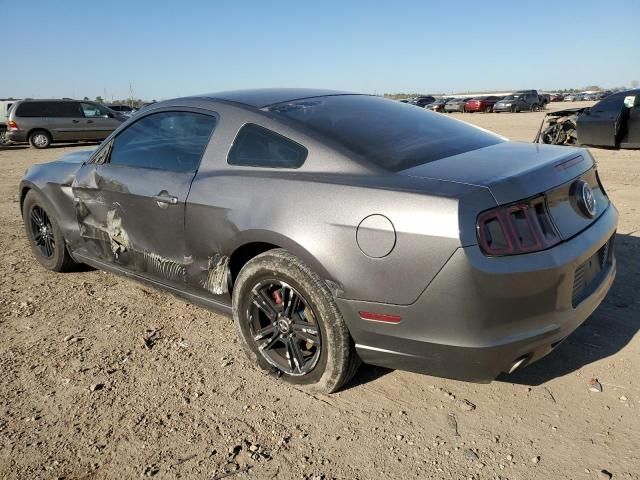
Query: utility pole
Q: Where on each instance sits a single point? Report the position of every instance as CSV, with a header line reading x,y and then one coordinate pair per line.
x,y
130,95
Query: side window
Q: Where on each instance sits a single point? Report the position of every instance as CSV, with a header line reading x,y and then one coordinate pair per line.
x,y
256,146
92,110
64,110
173,141
609,104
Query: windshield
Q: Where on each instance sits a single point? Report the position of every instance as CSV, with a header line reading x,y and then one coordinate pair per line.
x,y
392,135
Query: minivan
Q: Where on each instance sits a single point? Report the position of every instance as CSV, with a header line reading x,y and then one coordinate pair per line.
x,y
43,122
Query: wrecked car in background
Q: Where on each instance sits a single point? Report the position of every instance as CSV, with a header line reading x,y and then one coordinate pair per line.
x,y
339,227
612,122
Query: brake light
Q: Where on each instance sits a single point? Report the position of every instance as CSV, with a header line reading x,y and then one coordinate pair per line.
x,y
522,227
11,125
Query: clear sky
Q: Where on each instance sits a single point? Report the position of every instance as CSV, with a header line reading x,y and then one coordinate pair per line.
x,y
174,48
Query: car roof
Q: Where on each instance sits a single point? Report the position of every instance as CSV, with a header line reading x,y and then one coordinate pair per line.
x,y
263,97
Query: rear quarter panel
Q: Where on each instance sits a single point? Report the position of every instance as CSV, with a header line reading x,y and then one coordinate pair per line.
x,y
314,213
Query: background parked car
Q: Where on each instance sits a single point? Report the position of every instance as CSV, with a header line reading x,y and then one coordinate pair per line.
x,y
125,110
422,101
518,102
481,104
557,97
438,105
42,122
456,105
612,122
5,106
545,98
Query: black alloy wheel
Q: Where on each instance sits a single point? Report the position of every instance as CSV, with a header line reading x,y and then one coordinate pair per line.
x,y
42,232
284,327
289,324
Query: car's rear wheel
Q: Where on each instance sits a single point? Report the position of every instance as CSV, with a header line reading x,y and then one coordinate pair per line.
x,y
488,109
40,139
534,107
44,235
289,324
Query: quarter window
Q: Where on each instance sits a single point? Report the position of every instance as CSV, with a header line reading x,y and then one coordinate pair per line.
x,y
173,141
256,146
31,109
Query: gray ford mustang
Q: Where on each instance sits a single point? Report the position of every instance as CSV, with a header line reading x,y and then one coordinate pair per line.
x,y
338,228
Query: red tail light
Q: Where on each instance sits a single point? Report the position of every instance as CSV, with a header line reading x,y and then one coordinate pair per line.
x,y
11,125
523,227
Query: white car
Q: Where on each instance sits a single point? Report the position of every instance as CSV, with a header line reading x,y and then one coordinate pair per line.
x,y
5,106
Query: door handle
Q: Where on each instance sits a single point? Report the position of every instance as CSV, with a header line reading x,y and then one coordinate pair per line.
x,y
89,121
75,121
165,200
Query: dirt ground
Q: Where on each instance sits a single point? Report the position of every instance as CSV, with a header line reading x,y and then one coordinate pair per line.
x,y
81,396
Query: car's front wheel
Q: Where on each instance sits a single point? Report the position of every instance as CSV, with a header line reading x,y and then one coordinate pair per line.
x,y
44,234
289,323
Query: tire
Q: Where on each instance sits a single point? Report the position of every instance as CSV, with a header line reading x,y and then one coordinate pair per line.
x,y
534,107
488,109
40,139
327,358
50,250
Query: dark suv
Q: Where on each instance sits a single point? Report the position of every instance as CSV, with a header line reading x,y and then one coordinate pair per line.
x,y
422,101
522,100
42,122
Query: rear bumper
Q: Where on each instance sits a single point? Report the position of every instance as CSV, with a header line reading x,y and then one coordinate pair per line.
x,y
16,136
480,315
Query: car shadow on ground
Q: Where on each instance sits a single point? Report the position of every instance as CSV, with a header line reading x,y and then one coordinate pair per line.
x,y
13,147
609,329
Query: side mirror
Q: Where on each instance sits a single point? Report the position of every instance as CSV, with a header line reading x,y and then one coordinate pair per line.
x,y
109,115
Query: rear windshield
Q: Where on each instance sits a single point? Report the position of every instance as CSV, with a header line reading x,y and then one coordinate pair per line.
x,y
392,135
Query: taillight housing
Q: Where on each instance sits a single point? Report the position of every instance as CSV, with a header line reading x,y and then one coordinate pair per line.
x,y
11,125
521,227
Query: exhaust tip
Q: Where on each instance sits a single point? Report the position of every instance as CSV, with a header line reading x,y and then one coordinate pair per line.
x,y
518,363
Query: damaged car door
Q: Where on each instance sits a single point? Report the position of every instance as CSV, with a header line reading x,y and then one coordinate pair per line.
x,y
600,125
130,198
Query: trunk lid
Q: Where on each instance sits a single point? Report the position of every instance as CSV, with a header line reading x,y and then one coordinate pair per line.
x,y
515,171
